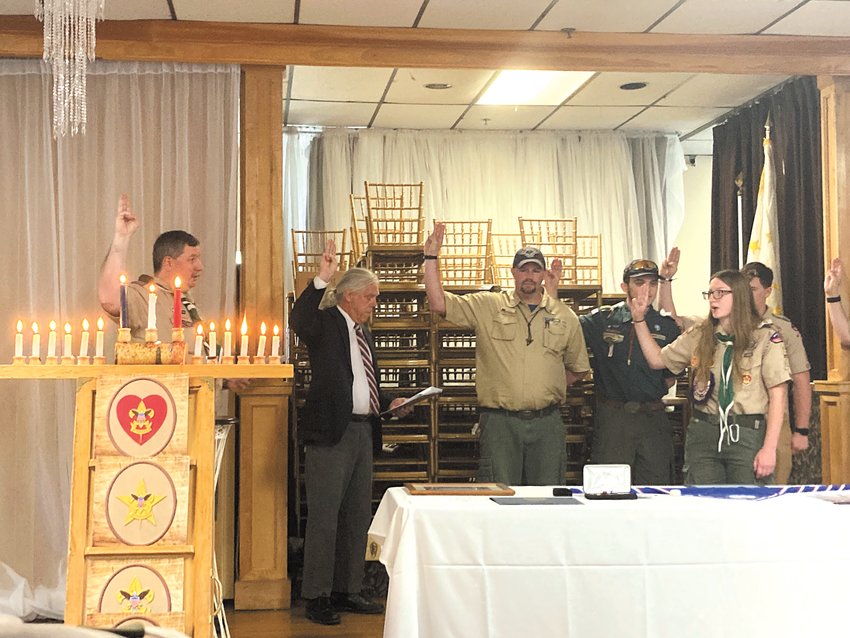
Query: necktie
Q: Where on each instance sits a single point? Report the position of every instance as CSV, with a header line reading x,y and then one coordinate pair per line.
x,y
366,355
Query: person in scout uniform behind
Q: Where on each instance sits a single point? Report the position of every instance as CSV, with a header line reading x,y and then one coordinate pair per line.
x,y
630,424
792,438
739,389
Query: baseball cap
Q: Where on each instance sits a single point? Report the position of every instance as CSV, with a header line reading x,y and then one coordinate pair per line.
x,y
639,267
529,254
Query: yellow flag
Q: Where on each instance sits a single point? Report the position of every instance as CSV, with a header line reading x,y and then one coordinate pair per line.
x,y
764,239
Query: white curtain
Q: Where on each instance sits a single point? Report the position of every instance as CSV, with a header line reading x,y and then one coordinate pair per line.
x,y
167,136
628,189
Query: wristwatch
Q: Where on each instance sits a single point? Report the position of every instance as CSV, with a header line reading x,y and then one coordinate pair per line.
x,y
803,431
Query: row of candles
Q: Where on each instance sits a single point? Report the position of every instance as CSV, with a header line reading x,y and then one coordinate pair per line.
x,y
83,352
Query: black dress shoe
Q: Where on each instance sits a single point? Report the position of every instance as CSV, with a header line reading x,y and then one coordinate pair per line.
x,y
320,610
355,603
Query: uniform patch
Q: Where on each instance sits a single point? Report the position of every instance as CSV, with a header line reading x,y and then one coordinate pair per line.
x,y
747,379
776,337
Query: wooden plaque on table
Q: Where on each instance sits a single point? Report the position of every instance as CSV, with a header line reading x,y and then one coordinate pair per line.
x,y
458,489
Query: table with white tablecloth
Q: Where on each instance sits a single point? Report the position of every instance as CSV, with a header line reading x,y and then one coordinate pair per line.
x,y
656,567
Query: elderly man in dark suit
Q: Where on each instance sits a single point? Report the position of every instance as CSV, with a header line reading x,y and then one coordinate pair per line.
x,y
341,429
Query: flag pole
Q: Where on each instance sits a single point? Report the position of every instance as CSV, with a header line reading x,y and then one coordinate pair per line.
x,y
739,182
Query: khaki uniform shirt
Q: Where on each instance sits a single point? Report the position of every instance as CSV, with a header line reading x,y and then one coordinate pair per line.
x,y
798,361
763,366
137,304
511,373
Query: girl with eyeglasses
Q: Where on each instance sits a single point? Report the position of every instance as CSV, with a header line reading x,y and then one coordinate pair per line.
x,y
739,376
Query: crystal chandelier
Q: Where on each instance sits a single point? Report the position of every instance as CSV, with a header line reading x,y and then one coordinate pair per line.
x,y
68,46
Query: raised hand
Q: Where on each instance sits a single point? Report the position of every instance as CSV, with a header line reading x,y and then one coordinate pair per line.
x,y
639,304
126,222
435,239
832,280
330,263
552,277
670,265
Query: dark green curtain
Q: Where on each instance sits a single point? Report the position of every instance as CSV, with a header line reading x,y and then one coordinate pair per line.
x,y
795,131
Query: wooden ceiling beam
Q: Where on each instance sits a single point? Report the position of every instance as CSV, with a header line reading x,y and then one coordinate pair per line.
x,y
319,45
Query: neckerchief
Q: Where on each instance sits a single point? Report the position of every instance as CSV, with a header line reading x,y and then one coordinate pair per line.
x,y
726,392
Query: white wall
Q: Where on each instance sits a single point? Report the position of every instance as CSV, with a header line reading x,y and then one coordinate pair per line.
x,y
694,240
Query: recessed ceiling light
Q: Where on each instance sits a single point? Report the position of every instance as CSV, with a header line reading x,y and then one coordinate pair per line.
x,y
438,86
633,86
514,88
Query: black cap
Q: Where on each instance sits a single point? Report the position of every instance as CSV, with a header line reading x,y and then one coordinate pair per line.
x,y
640,267
529,254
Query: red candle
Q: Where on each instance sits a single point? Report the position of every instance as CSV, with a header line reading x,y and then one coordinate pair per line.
x,y
178,304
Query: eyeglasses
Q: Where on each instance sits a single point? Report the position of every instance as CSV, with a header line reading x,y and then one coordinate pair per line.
x,y
716,294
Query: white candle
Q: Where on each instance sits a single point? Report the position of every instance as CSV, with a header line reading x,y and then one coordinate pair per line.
x,y
66,351
51,340
19,339
36,342
226,353
98,341
152,307
212,340
261,344
275,343
199,342
243,352
84,340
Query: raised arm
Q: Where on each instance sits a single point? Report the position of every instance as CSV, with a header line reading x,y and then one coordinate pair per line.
x,y
669,267
431,270
832,288
553,277
651,351
115,263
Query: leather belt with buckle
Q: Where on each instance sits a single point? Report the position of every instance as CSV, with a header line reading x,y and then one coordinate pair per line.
x,y
525,415
633,407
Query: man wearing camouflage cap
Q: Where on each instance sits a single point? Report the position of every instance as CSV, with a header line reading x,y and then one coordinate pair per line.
x,y
529,348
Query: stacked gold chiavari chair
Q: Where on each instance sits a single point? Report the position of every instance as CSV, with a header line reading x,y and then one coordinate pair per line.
x,y
589,260
359,234
395,229
503,247
464,254
556,238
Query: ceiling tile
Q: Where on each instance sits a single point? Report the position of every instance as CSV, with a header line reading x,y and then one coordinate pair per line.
x,y
409,86
620,16
482,14
589,117
340,84
698,147
818,17
487,117
411,116
670,119
307,113
605,88
721,90
396,13
229,11
724,16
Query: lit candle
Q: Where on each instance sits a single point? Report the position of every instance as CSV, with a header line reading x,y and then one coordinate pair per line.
x,y
51,340
124,307
211,339
19,340
243,352
226,353
199,342
66,351
98,340
152,307
178,304
261,345
36,342
275,343
84,340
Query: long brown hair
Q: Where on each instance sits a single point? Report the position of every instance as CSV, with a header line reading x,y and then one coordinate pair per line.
x,y
744,319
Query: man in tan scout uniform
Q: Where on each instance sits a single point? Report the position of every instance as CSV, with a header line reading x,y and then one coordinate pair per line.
x,y
795,438
529,348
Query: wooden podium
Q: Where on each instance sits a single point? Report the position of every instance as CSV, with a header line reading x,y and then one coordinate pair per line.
x,y
142,489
